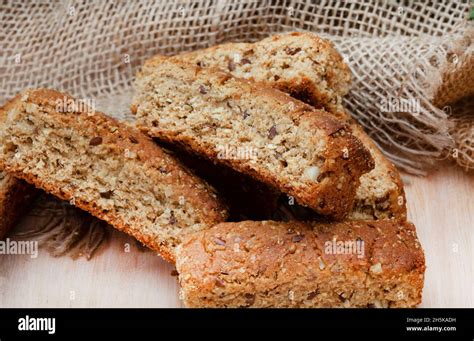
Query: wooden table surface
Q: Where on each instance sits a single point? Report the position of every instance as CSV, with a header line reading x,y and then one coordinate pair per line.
x,y
441,206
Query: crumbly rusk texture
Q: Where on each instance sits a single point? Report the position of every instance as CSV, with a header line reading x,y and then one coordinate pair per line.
x,y
106,168
295,264
15,197
311,69
380,194
299,63
307,154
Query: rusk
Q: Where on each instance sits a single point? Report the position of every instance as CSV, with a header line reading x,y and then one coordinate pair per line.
x,y
302,64
298,150
311,69
104,167
380,194
294,264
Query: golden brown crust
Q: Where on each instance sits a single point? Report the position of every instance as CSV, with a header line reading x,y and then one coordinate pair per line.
x,y
120,139
344,159
295,264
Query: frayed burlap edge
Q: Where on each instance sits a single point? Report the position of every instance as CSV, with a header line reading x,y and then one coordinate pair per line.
x,y
463,133
61,229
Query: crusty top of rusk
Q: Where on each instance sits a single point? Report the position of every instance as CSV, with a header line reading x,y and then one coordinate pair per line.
x,y
120,138
247,250
300,63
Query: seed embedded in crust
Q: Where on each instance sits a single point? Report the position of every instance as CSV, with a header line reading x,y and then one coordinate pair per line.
x,y
202,89
219,242
292,51
133,139
312,295
219,282
172,219
95,141
297,238
376,268
249,299
272,132
312,173
106,194
245,61
322,266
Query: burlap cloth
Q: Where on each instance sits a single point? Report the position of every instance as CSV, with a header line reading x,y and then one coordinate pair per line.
x,y
401,52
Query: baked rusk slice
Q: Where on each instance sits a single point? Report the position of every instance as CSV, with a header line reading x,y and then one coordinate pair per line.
x,y
255,130
295,264
311,69
104,167
380,194
15,197
299,63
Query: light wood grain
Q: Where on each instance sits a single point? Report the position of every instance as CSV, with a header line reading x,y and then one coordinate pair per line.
x,y
113,278
441,206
